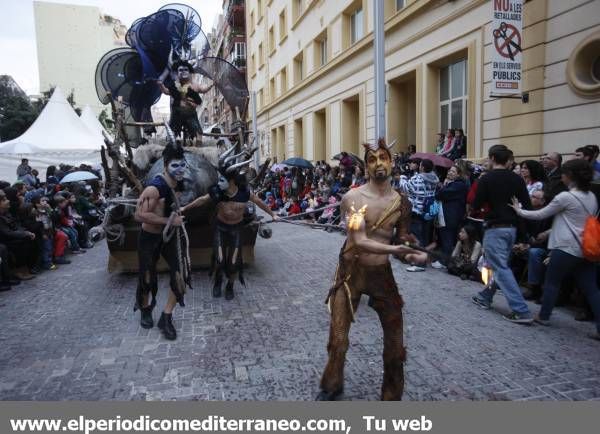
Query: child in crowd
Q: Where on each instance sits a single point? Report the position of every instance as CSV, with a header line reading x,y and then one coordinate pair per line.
x,y
65,222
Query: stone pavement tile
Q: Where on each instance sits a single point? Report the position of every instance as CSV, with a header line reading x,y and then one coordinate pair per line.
x,y
584,394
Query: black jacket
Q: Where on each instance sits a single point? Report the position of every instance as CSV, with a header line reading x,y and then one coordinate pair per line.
x,y
497,188
454,202
10,229
553,185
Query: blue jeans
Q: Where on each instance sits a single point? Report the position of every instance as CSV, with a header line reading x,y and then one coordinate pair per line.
x,y
497,245
584,272
72,234
47,251
447,237
535,265
422,229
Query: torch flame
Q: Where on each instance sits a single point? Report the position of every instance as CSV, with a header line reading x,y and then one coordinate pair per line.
x,y
486,275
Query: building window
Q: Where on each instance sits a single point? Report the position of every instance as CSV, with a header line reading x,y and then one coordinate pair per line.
x,y
272,40
453,96
283,84
323,50
298,68
259,11
356,25
253,64
261,55
272,89
251,22
400,4
282,25
298,9
238,54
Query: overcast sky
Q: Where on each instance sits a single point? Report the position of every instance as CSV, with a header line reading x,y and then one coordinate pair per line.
x,y
18,54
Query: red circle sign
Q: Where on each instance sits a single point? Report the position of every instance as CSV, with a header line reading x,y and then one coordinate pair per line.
x,y
507,40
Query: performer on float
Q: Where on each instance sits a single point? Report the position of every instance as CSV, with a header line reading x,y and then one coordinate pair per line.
x,y
374,212
185,98
162,234
231,195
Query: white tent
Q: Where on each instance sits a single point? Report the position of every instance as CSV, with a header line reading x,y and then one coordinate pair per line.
x,y
57,136
91,121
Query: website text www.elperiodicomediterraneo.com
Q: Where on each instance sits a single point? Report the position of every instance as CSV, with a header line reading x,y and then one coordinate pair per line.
x,y
216,424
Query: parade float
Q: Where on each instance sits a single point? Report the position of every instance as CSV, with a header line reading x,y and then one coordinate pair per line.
x,y
130,80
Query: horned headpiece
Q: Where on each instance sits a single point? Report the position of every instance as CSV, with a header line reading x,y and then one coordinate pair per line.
x,y
174,149
379,145
230,165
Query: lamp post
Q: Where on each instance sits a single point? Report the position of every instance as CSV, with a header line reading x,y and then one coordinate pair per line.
x,y
379,43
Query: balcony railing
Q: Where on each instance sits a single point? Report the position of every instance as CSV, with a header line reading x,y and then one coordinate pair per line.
x,y
236,14
239,62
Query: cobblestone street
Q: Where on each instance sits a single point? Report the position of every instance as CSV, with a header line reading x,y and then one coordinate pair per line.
x,y
72,334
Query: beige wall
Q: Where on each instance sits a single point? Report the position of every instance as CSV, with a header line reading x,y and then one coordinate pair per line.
x,y
70,42
420,39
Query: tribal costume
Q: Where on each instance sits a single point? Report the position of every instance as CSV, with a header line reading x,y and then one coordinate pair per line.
x,y
172,241
227,244
151,246
353,279
184,119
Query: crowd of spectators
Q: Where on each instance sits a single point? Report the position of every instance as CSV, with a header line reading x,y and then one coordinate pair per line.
x,y
41,223
523,220
465,217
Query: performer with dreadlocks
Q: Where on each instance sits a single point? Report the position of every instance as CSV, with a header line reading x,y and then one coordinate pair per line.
x,y
373,211
185,97
158,209
231,195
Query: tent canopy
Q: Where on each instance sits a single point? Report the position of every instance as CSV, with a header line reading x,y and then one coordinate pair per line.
x,y
91,121
57,128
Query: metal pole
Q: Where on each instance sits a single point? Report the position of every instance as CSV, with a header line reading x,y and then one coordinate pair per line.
x,y
379,70
255,132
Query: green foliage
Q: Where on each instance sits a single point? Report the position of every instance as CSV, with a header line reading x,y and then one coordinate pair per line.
x,y
16,116
17,113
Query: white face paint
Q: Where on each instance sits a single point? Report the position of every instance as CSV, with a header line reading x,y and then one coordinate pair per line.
x,y
223,183
176,169
183,73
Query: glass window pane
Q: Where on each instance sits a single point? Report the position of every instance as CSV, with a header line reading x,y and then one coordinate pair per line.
x,y
457,114
357,25
444,118
458,79
444,83
399,4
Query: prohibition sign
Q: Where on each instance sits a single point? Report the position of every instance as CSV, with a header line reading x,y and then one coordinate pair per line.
x,y
507,40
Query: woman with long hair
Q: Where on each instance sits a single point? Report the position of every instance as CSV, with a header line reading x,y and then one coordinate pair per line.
x,y
570,210
533,173
465,255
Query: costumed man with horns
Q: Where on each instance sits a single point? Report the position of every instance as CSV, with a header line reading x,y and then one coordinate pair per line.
x,y
231,195
185,97
374,212
163,234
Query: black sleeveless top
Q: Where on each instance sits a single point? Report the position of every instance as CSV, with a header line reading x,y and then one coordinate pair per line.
x,y
164,191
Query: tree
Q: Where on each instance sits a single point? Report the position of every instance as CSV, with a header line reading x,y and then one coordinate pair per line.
x,y
16,116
